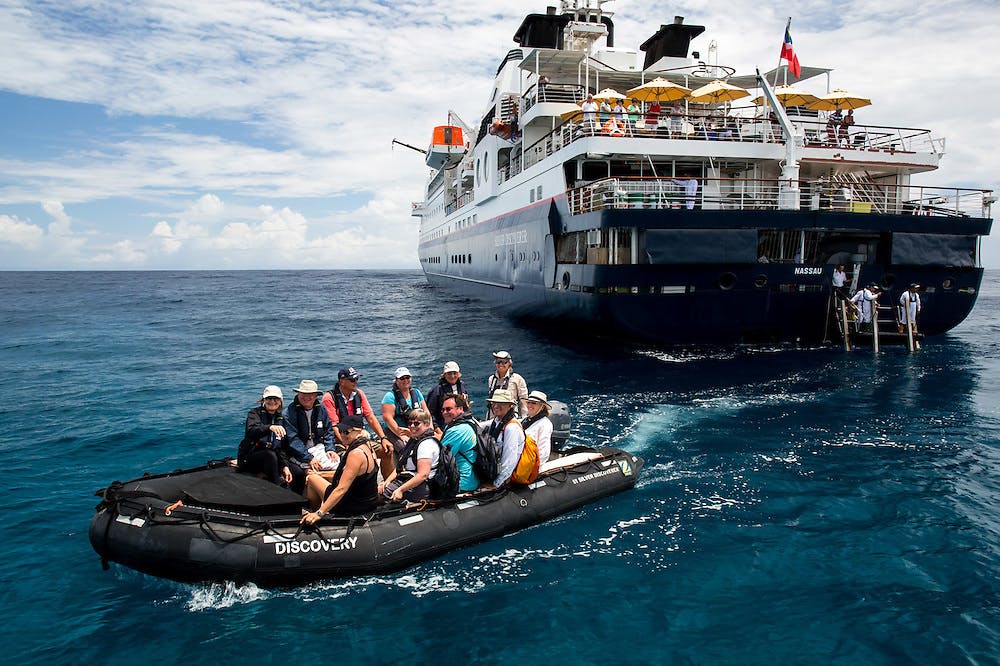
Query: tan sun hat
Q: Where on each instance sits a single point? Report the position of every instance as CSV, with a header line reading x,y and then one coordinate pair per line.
x,y
451,366
307,386
501,396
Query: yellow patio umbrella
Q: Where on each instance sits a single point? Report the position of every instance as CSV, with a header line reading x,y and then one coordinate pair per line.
x,y
789,96
609,94
573,114
659,89
839,99
718,91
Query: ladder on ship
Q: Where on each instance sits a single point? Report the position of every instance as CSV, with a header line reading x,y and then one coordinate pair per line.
x,y
884,327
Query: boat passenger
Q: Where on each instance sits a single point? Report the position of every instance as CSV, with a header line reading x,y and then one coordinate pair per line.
x,y
653,116
538,424
839,278
345,399
589,108
450,382
263,449
310,435
605,109
396,406
618,112
507,431
634,111
505,378
866,301
354,488
834,125
460,435
909,308
417,462
845,127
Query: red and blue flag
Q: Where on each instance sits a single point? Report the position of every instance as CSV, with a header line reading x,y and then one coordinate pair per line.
x,y
788,53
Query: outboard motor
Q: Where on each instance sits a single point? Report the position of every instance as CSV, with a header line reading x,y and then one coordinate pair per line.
x,y
559,415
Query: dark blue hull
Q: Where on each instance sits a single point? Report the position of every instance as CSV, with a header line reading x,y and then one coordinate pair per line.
x,y
694,276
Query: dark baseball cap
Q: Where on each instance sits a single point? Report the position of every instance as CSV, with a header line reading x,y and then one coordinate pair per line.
x,y
349,373
351,421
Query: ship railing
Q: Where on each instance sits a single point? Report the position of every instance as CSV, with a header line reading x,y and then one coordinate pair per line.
x,y
458,203
816,133
553,92
734,194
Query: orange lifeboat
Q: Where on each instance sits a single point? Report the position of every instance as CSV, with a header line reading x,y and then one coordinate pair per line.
x,y
447,146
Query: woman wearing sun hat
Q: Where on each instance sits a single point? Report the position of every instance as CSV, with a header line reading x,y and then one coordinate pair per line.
x,y
538,424
262,451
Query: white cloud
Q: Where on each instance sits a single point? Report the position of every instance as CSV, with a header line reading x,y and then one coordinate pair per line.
x,y
20,234
263,129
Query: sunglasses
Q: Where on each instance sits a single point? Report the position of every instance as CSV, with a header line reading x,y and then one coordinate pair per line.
x,y
270,398
404,378
413,423
501,362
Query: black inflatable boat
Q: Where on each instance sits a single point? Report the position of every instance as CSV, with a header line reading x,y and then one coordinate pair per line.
x,y
212,523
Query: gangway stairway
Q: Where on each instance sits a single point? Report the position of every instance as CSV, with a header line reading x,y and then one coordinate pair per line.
x,y
883,329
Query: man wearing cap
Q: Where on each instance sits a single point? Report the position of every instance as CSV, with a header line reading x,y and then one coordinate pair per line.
x,y
397,404
505,378
866,300
507,431
306,426
450,383
344,399
909,307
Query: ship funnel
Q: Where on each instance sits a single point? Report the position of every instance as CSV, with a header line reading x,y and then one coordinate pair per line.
x,y
672,40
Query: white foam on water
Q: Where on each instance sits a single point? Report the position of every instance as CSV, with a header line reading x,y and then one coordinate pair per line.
x,y
223,595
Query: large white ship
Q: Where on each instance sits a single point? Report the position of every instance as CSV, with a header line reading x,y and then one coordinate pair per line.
x,y
710,219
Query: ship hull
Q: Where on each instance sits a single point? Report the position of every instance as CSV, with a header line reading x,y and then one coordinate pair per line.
x,y
701,302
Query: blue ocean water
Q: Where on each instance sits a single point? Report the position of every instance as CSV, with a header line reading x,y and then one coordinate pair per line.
x,y
797,505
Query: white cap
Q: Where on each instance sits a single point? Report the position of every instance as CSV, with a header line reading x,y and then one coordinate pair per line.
x,y
502,355
451,366
272,392
402,372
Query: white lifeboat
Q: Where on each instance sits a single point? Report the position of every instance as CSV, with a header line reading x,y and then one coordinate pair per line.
x,y
447,146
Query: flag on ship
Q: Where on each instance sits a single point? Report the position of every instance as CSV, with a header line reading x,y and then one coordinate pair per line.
x,y
788,53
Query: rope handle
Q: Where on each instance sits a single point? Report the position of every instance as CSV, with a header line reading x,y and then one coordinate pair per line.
x,y
173,506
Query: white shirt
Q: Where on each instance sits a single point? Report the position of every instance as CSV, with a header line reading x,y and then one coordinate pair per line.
x,y
427,449
541,432
838,278
511,442
589,110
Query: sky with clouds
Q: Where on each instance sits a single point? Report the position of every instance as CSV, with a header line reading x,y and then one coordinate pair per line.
x,y
257,133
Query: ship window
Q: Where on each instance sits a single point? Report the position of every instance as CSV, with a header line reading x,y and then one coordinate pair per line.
x,y
531,195
539,195
727,281
470,258
486,167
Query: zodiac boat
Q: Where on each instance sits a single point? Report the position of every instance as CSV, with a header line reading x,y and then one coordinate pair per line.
x,y
212,523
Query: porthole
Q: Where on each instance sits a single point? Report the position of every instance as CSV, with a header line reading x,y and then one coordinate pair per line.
x,y
470,258
727,281
565,280
760,281
948,284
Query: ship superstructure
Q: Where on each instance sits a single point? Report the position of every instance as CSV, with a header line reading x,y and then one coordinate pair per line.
x,y
704,222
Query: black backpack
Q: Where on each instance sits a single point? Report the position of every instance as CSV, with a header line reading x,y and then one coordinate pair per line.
x,y
444,484
487,464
